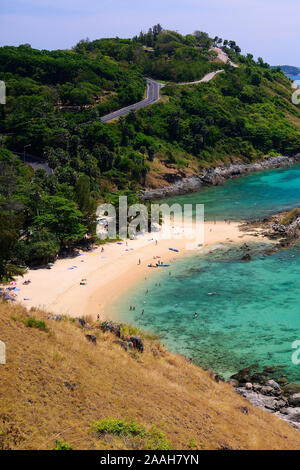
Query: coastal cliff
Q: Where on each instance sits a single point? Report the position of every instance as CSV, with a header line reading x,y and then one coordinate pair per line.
x,y
216,176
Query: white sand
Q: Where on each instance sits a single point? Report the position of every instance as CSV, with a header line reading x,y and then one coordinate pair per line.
x,y
109,274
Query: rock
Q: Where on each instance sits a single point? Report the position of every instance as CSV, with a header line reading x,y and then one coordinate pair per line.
x,y
91,338
249,386
234,382
109,326
256,387
212,176
2,353
274,385
55,318
244,410
130,344
265,390
137,343
243,376
261,401
123,344
82,322
294,400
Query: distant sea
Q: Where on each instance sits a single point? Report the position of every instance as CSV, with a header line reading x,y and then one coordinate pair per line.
x,y
295,78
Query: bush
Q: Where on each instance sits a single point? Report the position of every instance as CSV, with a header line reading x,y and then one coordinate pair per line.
x,y
156,440
152,440
118,427
38,324
290,217
61,445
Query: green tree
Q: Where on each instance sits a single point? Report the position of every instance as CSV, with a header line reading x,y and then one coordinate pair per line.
x,y
62,218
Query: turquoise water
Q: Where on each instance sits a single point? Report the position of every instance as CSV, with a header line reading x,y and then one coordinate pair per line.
x,y
250,197
254,317
295,78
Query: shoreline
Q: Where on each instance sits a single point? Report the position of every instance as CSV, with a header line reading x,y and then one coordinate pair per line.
x,y
110,274
216,176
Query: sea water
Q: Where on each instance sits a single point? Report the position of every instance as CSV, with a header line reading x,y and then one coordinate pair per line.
x,y
248,312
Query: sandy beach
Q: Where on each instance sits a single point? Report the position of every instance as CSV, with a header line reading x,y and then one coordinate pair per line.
x,y
111,272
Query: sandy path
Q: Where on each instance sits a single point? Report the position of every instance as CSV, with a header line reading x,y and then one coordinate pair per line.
x,y
109,274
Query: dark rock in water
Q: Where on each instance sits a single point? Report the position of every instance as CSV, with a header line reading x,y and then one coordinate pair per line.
x,y
137,343
109,326
91,338
246,257
123,344
244,375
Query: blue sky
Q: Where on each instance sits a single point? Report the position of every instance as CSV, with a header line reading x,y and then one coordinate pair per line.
x,y
267,28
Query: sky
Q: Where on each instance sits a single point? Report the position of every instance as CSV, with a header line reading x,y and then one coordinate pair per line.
x,y
265,28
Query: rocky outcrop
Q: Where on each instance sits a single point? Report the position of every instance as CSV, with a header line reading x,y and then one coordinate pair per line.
x,y
267,395
216,176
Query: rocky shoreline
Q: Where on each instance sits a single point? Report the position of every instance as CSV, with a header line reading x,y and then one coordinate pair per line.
x,y
216,176
282,228
282,400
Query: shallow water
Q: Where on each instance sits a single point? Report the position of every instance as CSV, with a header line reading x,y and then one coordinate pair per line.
x,y
249,197
254,317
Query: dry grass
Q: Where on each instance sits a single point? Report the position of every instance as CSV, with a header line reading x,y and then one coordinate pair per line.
x,y
154,388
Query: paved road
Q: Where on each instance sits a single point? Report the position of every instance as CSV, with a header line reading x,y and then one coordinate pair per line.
x,y
206,78
153,95
37,163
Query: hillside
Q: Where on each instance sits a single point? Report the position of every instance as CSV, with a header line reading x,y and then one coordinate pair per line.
x,y
56,384
55,100
290,69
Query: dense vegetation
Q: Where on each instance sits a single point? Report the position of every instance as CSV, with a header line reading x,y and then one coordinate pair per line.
x,y
55,100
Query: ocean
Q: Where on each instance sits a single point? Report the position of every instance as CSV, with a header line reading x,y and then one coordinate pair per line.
x,y
295,78
254,315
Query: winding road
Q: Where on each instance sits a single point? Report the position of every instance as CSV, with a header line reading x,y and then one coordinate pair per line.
x,y
153,95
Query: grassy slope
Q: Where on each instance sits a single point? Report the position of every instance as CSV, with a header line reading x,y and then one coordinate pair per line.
x,y
155,388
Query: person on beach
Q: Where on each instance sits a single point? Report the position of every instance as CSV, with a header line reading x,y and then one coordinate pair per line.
x,y
102,250
156,242
133,307
143,312
130,308
139,263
